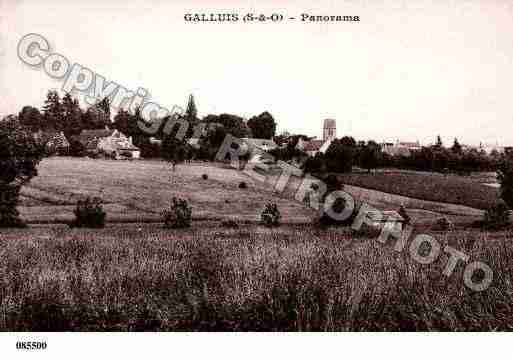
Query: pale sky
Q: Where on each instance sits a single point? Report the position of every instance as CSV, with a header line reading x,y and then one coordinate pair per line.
x,y
408,70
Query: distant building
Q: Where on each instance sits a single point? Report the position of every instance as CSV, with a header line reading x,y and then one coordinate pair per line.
x,y
329,130
54,141
313,146
489,148
260,143
257,148
400,148
109,142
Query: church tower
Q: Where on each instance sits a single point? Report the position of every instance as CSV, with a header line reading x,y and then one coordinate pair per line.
x,y
329,130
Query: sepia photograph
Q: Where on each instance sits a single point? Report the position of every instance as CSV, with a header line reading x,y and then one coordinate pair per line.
x,y
265,167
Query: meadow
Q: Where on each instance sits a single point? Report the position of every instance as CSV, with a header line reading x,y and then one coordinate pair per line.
x,y
135,275
467,191
138,191
292,278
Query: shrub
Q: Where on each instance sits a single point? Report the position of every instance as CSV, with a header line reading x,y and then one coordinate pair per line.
x,y
270,215
497,216
443,224
9,215
89,213
243,185
402,212
229,223
179,215
204,176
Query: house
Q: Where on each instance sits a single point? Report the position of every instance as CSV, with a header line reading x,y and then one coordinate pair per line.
x,y
391,219
314,146
110,142
260,143
54,141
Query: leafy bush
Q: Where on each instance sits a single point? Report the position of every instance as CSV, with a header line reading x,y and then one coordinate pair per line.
x,y
89,213
243,185
179,215
204,176
443,224
402,212
270,215
19,157
9,215
497,216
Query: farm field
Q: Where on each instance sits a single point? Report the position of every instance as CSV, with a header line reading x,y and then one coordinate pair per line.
x,y
141,277
134,275
466,191
138,191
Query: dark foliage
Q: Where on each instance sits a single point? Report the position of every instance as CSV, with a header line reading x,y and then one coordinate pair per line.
x,y
262,126
402,212
89,213
497,217
270,216
19,155
179,214
505,177
229,223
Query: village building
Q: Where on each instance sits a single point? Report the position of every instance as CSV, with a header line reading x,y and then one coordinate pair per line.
x,y
54,141
400,148
260,144
109,142
314,146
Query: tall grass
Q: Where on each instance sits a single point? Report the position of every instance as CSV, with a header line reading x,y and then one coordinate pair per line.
x,y
248,279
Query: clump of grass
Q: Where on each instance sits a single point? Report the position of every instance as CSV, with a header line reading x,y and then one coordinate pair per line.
x,y
243,185
204,176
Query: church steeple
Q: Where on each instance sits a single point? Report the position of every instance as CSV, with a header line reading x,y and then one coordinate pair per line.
x,y
329,131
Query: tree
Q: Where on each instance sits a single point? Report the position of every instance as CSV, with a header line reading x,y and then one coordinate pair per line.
x,y
438,143
233,124
53,113
505,177
19,155
95,119
370,155
126,123
262,126
191,113
31,118
348,141
72,115
191,116
174,151
104,105
456,147
339,158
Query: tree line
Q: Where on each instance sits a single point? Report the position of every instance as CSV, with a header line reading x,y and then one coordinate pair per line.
x,y
345,153
65,114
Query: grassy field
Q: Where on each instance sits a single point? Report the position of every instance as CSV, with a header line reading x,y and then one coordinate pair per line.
x,y
138,191
139,276
427,186
205,278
